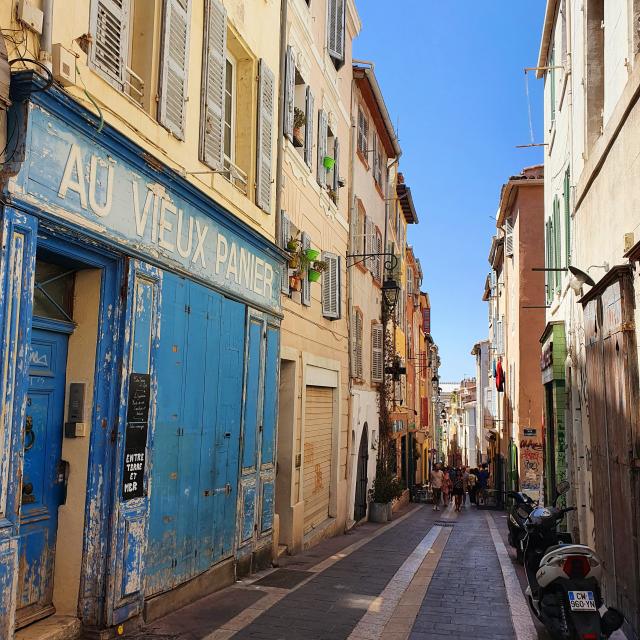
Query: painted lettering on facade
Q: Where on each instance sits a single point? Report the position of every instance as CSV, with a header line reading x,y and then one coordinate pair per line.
x,y
110,197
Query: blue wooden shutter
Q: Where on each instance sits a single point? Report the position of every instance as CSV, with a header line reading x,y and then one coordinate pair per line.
x,y
174,66
214,58
308,129
266,106
306,285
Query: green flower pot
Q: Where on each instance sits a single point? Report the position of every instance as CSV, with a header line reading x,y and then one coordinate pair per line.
x,y
313,275
311,254
328,162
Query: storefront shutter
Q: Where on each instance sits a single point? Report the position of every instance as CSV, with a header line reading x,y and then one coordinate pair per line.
x,y
290,90
377,338
331,286
266,104
285,233
213,85
110,30
306,285
174,64
308,129
322,147
335,29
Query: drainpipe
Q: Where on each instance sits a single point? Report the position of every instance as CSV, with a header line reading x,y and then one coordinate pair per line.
x,y
280,120
47,31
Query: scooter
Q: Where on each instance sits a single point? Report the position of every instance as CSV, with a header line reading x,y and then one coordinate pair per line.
x,y
523,505
564,579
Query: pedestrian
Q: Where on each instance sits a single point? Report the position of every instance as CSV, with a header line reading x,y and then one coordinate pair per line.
x,y
446,488
483,481
458,488
465,485
437,478
473,485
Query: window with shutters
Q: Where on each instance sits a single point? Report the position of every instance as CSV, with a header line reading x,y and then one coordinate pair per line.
x,y
336,31
358,230
331,165
124,47
298,121
379,259
377,363
508,237
363,136
356,344
331,286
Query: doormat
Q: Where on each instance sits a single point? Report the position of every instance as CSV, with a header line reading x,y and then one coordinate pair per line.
x,y
284,578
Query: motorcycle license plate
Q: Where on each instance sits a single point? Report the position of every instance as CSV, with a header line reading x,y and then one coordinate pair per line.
x,y
582,601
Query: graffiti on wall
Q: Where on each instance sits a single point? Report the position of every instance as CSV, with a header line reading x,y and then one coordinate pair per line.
x,y
532,462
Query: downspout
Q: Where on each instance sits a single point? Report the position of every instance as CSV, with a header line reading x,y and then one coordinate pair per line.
x,y
47,31
280,120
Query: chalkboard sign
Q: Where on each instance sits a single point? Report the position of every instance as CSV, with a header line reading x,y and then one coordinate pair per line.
x,y
135,445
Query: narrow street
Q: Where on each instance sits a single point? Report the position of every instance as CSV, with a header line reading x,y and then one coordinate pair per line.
x,y
427,574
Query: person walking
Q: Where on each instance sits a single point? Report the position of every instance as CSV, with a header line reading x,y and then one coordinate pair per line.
x,y
472,483
458,488
437,478
446,488
465,485
483,481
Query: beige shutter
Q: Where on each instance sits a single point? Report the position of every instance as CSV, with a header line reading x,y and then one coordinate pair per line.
x,y
322,147
213,85
335,29
308,129
377,338
318,444
306,285
290,93
285,233
331,286
508,238
110,31
174,65
266,105
356,343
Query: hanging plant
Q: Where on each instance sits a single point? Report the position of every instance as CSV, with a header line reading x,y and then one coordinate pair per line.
x,y
316,269
294,243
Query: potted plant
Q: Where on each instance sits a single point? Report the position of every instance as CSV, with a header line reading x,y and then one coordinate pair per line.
x,y
328,162
311,254
299,121
294,242
381,494
316,269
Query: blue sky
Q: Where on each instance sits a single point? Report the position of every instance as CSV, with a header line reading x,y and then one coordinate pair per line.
x,y
452,76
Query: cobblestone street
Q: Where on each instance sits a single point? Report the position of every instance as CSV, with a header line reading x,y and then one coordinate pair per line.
x,y
427,574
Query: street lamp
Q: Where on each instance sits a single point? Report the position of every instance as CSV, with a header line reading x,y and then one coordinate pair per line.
x,y
390,291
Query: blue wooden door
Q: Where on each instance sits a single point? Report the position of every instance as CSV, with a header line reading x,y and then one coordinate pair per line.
x,y
43,478
197,438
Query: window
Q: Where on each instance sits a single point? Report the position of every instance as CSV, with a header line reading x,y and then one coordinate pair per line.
x,y
331,286
229,113
298,121
306,284
363,133
508,237
321,173
335,31
409,281
357,228
377,364
377,161
356,344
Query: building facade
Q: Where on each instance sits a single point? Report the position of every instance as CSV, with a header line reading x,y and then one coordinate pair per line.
x,y
141,312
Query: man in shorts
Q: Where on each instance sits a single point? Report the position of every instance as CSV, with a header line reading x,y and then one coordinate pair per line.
x,y
437,477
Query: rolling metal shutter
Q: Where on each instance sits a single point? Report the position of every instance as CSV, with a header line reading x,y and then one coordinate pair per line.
x,y
317,455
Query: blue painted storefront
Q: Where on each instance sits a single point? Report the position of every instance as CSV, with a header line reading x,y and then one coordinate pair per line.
x,y
182,441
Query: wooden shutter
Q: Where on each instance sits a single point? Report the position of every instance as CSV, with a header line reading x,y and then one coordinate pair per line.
x,y
377,338
174,63
290,93
306,285
213,85
508,237
308,129
285,233
110,30
331,286
379,257
336,166
335,29
266,104
356,344
363,133
322,147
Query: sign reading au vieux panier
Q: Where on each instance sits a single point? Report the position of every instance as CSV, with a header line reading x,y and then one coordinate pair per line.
x,y
79,181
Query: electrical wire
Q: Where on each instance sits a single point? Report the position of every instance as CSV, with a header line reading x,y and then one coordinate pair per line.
x,y
91,99
49,81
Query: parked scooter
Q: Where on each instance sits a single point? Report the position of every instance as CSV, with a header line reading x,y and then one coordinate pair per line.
x,y
564,579
523,505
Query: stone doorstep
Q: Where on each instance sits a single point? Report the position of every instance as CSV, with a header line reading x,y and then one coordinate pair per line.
x,y
55,627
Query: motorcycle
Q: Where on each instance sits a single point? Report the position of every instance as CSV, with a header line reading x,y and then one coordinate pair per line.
x,y
564,579
523,505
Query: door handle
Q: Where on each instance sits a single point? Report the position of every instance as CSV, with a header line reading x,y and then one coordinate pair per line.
x,y
29,434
